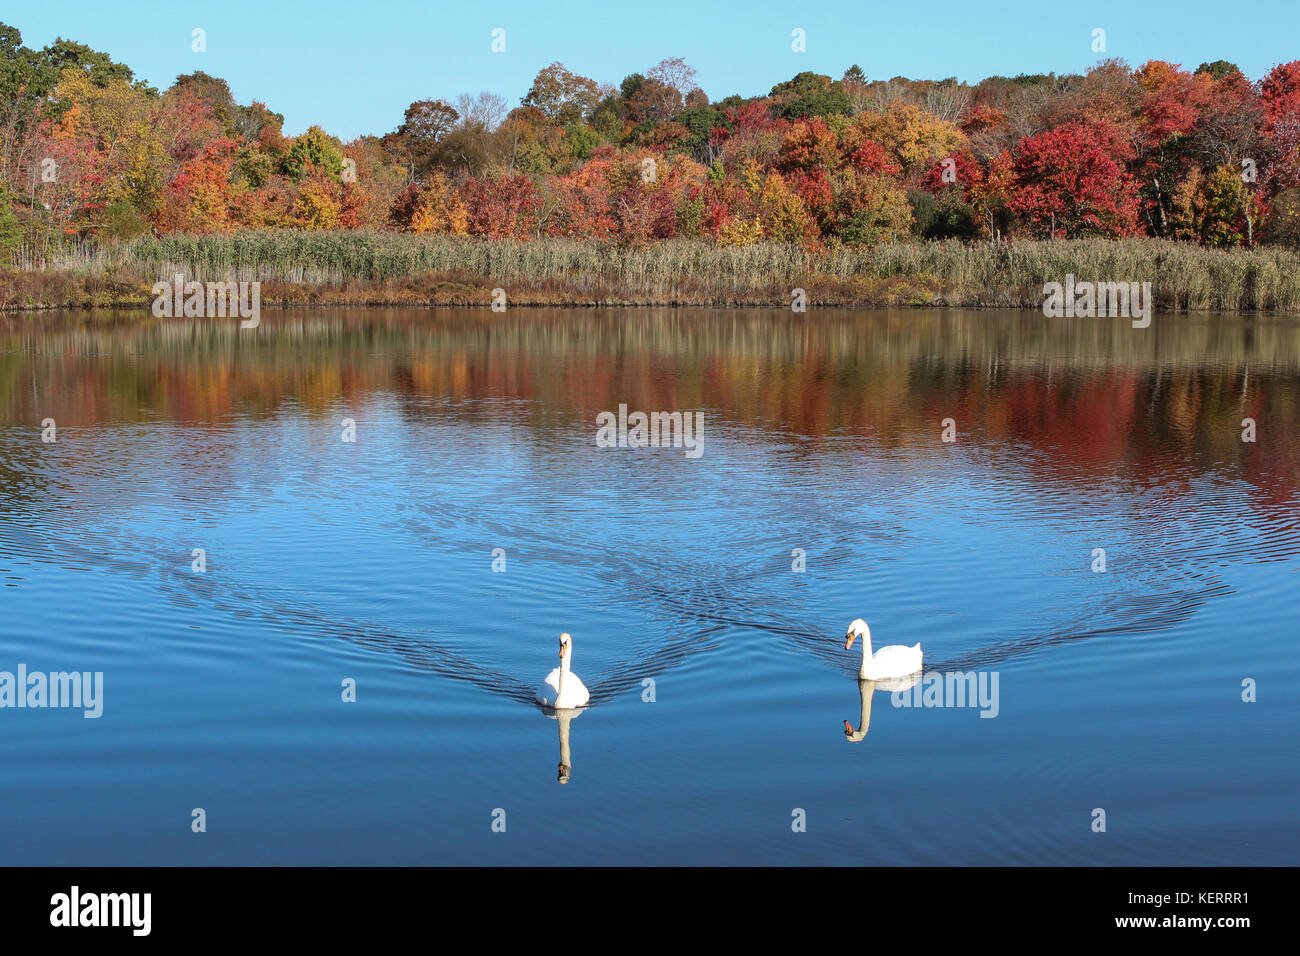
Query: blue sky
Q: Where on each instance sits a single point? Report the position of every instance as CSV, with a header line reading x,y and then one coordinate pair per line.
x,y
354,66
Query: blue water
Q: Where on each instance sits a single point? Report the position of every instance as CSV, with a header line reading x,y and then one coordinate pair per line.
x,y
372,560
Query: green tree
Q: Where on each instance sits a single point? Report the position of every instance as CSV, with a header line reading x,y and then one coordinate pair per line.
x,y
11,232
1218,69
313,148
810,94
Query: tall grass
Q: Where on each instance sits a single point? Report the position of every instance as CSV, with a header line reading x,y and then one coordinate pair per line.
x,y
1183,276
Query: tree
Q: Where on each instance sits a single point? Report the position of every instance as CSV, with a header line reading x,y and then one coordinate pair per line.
x,y
676,73
870,208
1228,127
649,100
1218,69
101,69
809,144
27,79
910,136
10,231
1169,105
967,190
1280,92
427,121
1284,226
201,197
562,97
809,94
106,147
1066,183
314,149
212,90
506,207
1212,208
483,109
430,207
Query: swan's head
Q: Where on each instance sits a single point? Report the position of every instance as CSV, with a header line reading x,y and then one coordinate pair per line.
x,y
856,629
562,776
566,645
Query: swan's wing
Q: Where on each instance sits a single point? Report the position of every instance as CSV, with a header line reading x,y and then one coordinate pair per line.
x,y
549,688
897,658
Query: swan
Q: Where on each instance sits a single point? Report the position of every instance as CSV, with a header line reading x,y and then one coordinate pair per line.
x,y
562,688
893,661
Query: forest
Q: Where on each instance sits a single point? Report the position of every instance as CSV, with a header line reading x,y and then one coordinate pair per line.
x,y
1204,155
100,171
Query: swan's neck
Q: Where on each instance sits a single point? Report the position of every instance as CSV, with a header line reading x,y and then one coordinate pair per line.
x,y
866,647
564,669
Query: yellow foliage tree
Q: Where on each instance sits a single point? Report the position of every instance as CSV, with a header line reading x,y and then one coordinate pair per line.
x,y
911,136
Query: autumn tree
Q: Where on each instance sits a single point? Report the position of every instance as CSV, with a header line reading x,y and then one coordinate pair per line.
x,y
912,137
562,96
1279,92
505,207
313,150
430,207
1066,184
1169,105
1212,207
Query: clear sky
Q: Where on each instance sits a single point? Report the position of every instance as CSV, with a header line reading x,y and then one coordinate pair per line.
x,y
354,66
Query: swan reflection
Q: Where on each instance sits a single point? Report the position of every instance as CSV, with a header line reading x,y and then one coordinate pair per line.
x,y
564,716
866,690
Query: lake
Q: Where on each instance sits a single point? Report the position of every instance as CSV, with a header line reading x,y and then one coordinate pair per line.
x,y
323,564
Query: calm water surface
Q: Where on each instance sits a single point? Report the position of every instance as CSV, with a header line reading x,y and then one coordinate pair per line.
x,y
373,560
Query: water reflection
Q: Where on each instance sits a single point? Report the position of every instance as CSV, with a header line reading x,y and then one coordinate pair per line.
x,y
866,691
563,717
475,433
827,430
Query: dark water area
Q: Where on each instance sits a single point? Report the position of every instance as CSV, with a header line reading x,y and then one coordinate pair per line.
x,y
707,597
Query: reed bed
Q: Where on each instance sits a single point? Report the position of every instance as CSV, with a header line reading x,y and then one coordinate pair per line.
x,y
396,269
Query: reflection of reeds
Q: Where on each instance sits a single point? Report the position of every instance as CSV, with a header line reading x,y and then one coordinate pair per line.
x,y
377,267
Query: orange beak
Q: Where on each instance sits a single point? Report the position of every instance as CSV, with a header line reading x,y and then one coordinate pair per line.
x,y
848,727
561,650
848,641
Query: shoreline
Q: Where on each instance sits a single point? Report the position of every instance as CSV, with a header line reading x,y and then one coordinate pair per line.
x,y
387,270
455,296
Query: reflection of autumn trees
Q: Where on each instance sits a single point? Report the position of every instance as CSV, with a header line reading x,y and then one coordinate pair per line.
x,y
1089,397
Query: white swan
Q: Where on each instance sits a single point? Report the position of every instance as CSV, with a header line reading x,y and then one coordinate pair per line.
x,y
562,688
893,661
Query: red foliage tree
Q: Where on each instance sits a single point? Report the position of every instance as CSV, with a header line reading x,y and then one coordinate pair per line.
x,y
1067,183
507,207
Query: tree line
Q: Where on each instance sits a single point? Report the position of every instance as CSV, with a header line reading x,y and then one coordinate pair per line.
x,y
90,151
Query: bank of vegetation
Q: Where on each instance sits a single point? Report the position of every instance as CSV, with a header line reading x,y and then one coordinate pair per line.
x,y
383,268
